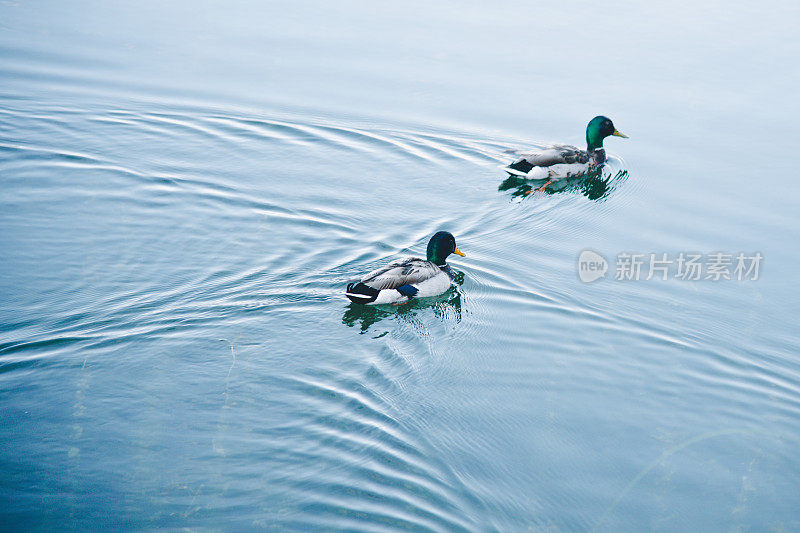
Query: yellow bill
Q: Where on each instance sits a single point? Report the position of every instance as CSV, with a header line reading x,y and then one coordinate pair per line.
x,y
619,134
459,252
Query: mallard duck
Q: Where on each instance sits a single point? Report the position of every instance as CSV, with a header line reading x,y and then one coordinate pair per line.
x,y
400,281
563,160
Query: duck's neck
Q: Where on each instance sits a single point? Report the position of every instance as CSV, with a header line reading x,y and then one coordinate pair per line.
x,y
435,255
594,141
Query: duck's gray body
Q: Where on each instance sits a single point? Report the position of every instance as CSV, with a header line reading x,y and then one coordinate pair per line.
x,y
555,161
400,281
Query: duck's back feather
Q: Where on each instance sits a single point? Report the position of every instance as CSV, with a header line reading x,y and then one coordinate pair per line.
x,y
409,271
552,155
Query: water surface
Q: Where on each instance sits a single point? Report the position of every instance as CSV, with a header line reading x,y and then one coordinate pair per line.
x,y
187,188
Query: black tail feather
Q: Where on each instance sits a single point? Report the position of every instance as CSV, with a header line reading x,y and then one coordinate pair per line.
x,y
521,166
360,293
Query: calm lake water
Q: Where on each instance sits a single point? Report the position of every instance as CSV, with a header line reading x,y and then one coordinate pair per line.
x,y
186,188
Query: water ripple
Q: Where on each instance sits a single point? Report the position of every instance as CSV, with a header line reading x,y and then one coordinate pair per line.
x,y
352,454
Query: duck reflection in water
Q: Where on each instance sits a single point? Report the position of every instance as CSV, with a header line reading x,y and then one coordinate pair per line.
x,y
595,185
445,306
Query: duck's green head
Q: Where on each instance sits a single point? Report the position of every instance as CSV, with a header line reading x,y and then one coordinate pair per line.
x,y
440,246
598,129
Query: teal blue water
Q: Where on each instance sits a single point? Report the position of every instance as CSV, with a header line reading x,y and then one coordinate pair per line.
x,y
186,188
